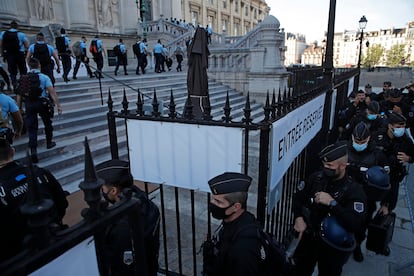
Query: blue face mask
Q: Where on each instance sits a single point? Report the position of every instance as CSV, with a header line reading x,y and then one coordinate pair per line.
x,y
398,132
359,147
371,117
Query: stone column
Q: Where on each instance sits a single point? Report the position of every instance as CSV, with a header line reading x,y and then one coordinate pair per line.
x,y
129,14
80,19
8,12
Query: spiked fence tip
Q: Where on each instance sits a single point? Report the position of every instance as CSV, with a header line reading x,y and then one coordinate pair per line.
x,y
90,173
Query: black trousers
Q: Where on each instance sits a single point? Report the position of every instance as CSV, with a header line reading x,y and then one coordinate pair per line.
x,y
5,77
16,62
33,109
142,63
121,61
312,250
98,58
66,64
85,61
158,62
179,60
48,71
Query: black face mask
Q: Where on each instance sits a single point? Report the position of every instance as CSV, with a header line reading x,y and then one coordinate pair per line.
x,y
330,173
105,196
218,212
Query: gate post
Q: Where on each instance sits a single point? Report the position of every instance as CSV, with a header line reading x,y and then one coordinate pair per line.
x,y
263,173
113,140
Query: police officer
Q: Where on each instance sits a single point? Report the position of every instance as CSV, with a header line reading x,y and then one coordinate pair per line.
x,y
65,56
362,155
327,193
82,58
13,188
9,107
230,254
118,179
371,118
43,53
355,110
399,148
13,45
121,58
40,107
98,56
158,56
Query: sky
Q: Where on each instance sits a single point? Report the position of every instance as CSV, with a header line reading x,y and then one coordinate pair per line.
x,y
310,17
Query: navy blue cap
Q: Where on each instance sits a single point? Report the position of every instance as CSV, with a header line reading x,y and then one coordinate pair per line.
x,y
334,151
396,118
229,182
361,131
115,172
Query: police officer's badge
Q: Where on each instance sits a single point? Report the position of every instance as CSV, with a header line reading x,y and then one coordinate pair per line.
x,y
359,207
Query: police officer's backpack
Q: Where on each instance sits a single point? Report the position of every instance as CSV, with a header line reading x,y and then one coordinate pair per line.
x,y
117,50
273,257
41,52
136,49
60,44
28,87
93,48
11,43
77,49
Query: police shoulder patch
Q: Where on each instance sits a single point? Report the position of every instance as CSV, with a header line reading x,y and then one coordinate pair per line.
x,y
359,207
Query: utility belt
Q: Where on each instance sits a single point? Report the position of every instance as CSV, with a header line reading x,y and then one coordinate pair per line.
x,y
46,103
7,133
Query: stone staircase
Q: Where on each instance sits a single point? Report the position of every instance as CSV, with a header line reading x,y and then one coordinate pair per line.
x,y
84,115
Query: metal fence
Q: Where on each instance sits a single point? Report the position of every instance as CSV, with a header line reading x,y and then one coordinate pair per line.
x,y
185,218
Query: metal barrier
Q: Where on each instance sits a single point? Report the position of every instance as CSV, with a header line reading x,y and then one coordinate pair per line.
x,y
183,238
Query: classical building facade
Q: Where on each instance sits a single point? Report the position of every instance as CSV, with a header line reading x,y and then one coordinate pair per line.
x,y
235,17
103,16
295,45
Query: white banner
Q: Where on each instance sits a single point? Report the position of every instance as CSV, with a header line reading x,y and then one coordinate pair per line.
x,y
351,86
182,155
289,136
79,260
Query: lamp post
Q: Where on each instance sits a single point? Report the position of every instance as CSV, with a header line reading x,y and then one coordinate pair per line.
x,y
362,24
142,9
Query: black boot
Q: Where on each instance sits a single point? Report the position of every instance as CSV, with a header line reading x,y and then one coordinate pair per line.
x,y
358,257
33,155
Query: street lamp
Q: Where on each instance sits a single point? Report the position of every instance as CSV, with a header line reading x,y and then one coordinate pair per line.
x,y
362,24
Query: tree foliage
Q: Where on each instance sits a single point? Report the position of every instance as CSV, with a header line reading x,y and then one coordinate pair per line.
x,y
396,56
373,56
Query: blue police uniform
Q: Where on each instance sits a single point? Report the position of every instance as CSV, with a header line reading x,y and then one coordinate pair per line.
x,y
98,57
121,58
35,107
82,58
142,59
66,60
16,60
7,105
158,57
43,55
